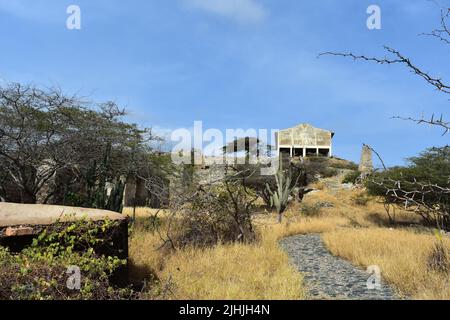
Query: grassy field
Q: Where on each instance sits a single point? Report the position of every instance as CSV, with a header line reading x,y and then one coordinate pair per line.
x,y
353,226
236,271
402,256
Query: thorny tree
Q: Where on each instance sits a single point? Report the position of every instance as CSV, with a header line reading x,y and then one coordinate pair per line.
x,y
421,187
44,132
32,146
207,213
430,200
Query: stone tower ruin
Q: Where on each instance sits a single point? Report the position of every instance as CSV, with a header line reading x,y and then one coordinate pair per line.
x,y
366,164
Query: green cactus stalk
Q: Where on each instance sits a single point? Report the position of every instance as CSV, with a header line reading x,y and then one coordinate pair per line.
x,y
115,199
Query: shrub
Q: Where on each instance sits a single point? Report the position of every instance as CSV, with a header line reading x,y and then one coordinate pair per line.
x,y
40,271
318,166
439,258
421,187
431,166
217,214
351,177
147,224
361,199
311,210
344,164
328,172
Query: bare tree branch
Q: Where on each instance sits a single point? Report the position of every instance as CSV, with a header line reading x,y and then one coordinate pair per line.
x,y
377,154
429,200
443,34
435,122
398,58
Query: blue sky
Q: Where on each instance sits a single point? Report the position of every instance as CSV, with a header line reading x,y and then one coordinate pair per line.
x,y
239,64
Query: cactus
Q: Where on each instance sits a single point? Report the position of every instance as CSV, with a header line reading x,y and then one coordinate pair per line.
x,y
115,198
279,198
97,194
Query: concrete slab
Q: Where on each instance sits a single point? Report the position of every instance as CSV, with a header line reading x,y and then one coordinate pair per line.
x,y
21,223
15,214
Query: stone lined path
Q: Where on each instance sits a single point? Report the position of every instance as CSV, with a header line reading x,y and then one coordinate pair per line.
x,y
327,276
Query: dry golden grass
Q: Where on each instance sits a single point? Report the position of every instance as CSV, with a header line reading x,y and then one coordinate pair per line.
x,y
319,185
273,231
142,212
401,254
368,240
144,254
345,206
261,270
235,271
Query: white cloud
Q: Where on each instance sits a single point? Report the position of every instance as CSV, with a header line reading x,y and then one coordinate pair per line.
x,y
244,11
162,132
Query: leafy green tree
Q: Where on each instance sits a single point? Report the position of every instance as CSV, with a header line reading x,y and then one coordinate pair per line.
x,y
58,148
423,186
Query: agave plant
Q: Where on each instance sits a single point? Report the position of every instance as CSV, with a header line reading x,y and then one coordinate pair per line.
x,y
279,198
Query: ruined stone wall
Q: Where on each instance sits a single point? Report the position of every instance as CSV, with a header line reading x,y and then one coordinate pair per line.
x,y
209,175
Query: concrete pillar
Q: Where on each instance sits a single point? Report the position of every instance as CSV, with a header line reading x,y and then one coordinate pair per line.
x,y
304,152
317,151
292,152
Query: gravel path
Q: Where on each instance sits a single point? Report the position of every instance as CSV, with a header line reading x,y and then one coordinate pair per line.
x,y
330,277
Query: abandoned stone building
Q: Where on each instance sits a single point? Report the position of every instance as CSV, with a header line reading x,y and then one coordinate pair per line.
x,y
153,193
304,140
